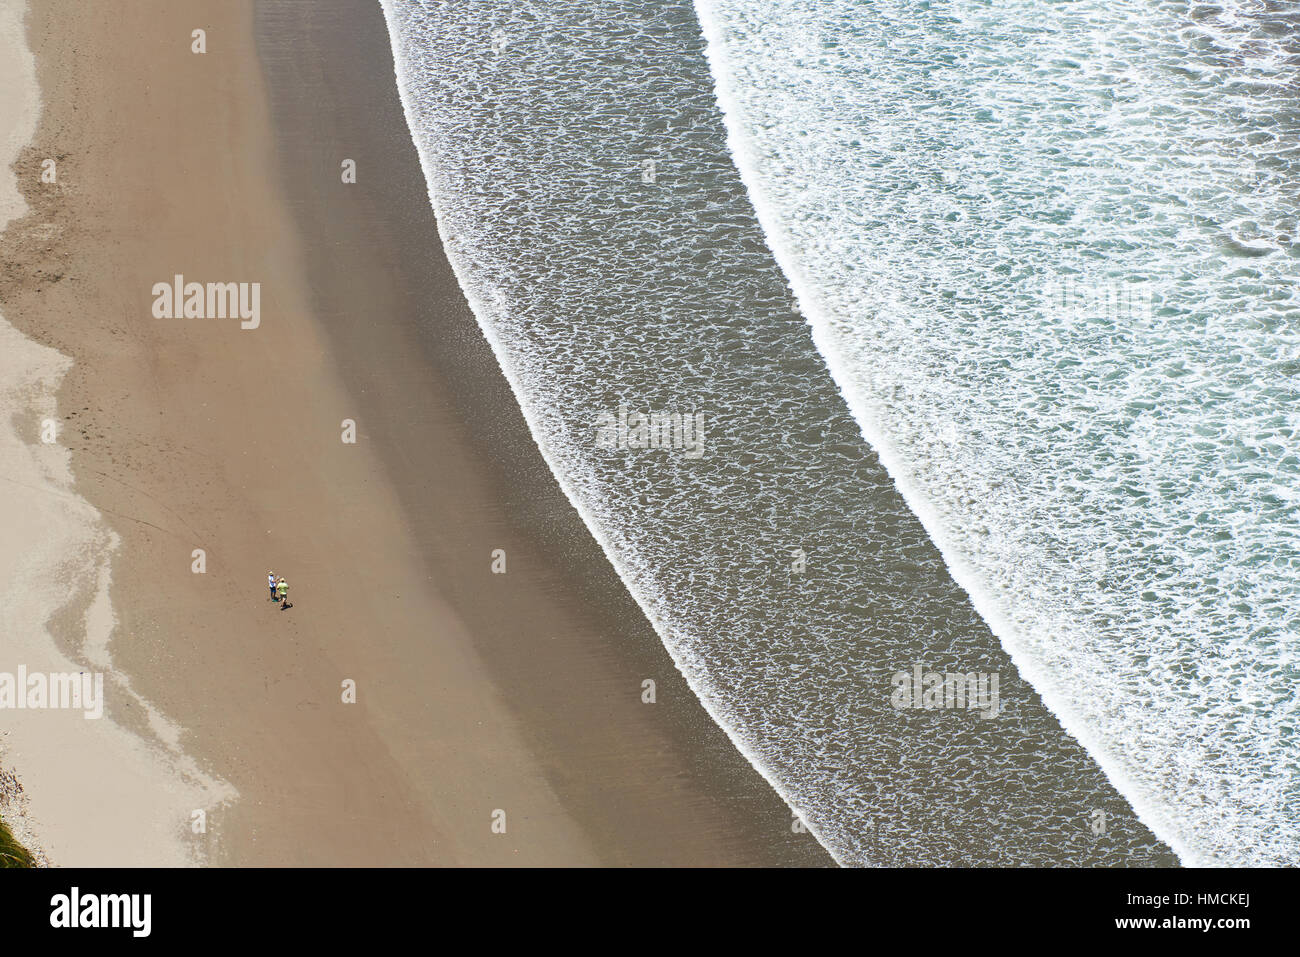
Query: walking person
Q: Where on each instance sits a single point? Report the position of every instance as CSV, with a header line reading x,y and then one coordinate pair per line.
x,y
270,581
282,590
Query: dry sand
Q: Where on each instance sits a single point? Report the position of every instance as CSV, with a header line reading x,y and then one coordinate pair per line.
x,y
75,788
475,692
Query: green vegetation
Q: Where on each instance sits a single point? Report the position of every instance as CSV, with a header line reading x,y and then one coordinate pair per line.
x,y
12,854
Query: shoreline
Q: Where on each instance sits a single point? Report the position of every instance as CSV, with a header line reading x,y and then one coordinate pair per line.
x,y
602,289
533,518
475,693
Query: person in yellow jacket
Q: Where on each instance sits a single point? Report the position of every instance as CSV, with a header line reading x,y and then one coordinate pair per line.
x,y
282,592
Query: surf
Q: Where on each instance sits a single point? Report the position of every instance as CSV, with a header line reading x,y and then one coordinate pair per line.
x,y
781,569
1116,497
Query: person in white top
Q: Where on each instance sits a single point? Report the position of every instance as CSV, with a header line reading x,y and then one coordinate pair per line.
x,y
270,581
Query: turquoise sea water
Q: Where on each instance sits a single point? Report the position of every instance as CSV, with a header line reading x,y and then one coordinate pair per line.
x,y
1035,260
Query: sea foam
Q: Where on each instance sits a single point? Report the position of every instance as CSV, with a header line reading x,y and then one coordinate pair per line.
x,y
578,164
1116,488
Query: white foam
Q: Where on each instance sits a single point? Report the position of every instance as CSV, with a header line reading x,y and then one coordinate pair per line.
x,y
592,287
1207,760
577,483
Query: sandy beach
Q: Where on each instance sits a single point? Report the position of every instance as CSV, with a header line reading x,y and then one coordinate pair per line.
x,y
74,787
359,441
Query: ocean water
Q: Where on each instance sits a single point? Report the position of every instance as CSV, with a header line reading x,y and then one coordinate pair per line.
x,y
899,279
1050,254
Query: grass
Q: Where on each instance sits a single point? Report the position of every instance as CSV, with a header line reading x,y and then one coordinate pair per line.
x,y
12,854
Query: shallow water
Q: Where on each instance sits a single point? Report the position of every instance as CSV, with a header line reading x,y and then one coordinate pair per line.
x,y
587,198
1050,254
